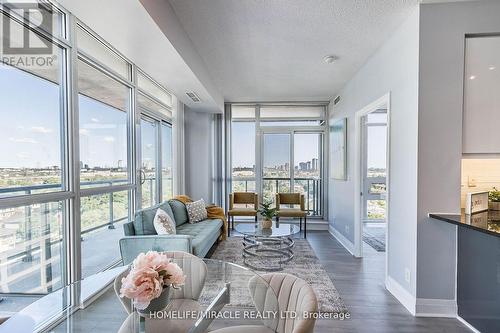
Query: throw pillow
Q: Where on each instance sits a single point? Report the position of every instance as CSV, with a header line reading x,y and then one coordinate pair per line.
x,y
196,211
163,223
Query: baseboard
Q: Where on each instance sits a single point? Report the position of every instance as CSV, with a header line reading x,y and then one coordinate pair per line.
x,y
436,308
401,294
469,326
349,246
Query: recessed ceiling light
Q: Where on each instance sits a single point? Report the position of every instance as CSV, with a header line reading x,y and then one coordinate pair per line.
x,y
329,59
492,68
472,77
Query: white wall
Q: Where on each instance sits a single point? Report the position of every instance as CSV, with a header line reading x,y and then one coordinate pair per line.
x,y
199,154
442,36
393,68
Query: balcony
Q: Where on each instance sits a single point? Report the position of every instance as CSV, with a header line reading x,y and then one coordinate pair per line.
x,y
31,238
310,187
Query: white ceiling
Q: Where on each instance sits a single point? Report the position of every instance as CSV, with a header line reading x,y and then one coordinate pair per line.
x,y
272,50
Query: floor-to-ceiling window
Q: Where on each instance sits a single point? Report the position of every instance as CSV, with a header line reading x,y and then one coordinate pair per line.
x,y
243,148
33,193
70,118
279,148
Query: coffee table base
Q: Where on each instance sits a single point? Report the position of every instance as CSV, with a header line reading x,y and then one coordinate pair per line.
x,y
257,250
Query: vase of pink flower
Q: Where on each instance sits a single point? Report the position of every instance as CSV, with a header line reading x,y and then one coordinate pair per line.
x,y
151,281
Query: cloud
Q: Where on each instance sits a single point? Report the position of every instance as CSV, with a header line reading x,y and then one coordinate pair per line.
x,y
40,129
94,120
23,140
149,146
22,155
109,139
84,131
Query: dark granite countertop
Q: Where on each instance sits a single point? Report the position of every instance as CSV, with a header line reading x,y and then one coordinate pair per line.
x,y
487,222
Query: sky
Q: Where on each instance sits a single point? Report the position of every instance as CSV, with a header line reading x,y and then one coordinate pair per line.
x,y
30,131
277,151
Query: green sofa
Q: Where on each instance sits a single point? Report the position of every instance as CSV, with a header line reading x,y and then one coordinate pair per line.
x,y
141,236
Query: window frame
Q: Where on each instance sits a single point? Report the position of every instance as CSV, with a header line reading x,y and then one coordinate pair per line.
x,y
260,130
71,192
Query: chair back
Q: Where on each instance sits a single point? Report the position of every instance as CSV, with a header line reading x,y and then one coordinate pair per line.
x,y
117,285
294,295
194,268
288,198
246,198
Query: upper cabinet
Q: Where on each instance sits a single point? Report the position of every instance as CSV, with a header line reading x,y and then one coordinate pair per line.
x,y
481,121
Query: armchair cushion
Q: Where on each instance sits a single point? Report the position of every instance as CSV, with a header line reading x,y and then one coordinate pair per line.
x,y
291,212
242,212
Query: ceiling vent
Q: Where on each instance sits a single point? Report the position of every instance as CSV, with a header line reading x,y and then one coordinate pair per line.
x,y
336,100
193,96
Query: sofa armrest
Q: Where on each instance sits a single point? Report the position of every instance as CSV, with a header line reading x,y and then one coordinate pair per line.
x,y
131,247
128,229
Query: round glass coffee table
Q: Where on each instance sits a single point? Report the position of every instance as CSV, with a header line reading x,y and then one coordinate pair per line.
x,y
267,249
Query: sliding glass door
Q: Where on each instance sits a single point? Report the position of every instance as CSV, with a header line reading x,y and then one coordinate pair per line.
x,y
149,161
291,162
276,162
156,182
279,148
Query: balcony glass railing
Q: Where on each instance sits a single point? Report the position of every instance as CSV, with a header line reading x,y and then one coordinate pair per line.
x,y
31,238
310,187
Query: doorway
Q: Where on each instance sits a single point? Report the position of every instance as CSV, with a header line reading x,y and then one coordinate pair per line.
x,y
372,130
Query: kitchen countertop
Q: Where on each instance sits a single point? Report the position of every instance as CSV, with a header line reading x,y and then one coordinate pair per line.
x,y
486,222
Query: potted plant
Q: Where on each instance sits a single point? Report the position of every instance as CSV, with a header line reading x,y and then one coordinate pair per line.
x,y
150,282
494,198
267,213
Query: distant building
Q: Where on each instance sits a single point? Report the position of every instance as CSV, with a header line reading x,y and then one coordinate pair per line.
x,y
303,166
315,164
308,165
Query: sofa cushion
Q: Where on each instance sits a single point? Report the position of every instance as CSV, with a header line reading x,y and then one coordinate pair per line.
x,y
143,220
204,233
196,211
179,211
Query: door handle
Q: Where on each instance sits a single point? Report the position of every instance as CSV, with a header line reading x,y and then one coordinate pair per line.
x,y
142,176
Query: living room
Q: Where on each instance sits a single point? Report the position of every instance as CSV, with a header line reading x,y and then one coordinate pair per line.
x,y
254,166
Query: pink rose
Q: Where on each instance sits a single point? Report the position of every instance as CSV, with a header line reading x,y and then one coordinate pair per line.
x,y
142,285
175,276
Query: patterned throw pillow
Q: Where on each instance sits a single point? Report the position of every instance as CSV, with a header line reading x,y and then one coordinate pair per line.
x,y
163,223
196,211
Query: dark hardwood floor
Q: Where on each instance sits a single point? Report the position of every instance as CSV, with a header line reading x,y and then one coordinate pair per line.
x,y
360,282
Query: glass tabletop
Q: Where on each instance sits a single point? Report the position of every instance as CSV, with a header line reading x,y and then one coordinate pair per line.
x,y
216,294
278,229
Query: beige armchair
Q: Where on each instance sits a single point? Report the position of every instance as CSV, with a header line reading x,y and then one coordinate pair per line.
x,y
294,295
292,199
242,198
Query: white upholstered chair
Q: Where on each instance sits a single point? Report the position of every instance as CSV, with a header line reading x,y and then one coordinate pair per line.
x,y
183,299
294,295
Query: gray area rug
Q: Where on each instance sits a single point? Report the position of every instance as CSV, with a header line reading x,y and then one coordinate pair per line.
x,y
305,265
375,237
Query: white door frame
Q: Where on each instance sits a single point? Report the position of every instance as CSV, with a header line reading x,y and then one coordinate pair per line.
x,y
358,174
